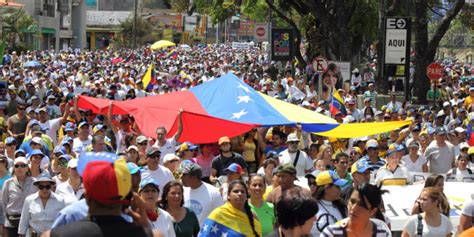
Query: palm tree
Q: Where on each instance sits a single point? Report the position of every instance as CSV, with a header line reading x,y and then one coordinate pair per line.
x,y
19,24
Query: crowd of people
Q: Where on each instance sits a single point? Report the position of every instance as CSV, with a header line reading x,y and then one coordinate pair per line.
x,y
65,171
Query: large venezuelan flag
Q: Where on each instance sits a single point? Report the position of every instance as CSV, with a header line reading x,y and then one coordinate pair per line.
x,y
228,221
227,106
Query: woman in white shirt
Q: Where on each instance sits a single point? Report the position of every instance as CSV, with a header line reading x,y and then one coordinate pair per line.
x,y
159,218
431,222
414,161
40,209
461,172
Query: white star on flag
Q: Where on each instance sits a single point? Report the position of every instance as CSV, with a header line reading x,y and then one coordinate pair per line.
x,y
224,234
205,227
239,114
243,88
214,229
244,99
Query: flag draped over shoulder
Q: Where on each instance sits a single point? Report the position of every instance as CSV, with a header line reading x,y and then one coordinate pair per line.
x,y
337,104
149,80
228,221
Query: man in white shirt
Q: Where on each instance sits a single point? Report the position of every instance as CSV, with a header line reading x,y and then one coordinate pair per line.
x,y
161,174
440,153
51,126
83,140
201,197
296,157
168,146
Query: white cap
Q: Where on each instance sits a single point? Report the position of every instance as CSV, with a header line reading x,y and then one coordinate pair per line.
x,y
463,145
72,163
37,140
20,159
169,157
446,103
459,129
305,103
292,138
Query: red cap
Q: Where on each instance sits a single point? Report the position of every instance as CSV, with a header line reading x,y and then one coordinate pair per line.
x,y
107,182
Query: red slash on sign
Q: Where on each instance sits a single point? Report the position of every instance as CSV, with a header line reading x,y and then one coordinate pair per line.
x,y
435,71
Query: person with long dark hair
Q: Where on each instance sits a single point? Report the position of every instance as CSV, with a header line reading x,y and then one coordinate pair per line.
x,y
264,210
186,223
363,204
435,181
330,206
235,217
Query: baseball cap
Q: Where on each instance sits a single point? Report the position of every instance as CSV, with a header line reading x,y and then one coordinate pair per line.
x,y
470,151
313,174
382,136
132,168
187,146
36,140
286,168
292,138
192,169
148,181
223,140
234,168
35,152
271,154
98,128
446,104
372,143
83,123
73,163
414,144
33,122
329,177
141,139
10,140
105,181
66,157
170,157
132,147
463,145
459,129
360,166
20,159
440,131
153,151
69,127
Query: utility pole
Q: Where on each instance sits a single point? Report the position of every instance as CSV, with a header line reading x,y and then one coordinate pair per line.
x,y
134,29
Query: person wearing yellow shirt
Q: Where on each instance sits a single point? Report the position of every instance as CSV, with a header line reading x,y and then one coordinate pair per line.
x,y
468,101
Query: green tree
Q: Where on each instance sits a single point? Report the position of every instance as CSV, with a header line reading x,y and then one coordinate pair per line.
x,y
145,32
19,24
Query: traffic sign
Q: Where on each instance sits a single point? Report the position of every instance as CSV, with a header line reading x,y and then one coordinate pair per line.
x,y
320,64
261,32
435,71
396,40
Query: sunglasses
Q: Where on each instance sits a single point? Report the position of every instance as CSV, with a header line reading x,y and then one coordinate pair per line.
x,y
143,143
21,166
293,142
47,187
21,108
154,156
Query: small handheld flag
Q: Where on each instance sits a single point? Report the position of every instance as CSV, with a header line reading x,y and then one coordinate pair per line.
x,y
337,104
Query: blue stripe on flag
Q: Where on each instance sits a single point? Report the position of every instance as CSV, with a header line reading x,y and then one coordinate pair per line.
x,y
212,228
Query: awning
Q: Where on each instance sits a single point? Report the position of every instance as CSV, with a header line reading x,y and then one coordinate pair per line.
x,y
48,30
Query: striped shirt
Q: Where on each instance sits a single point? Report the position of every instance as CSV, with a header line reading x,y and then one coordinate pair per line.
x,y
374,166
338,229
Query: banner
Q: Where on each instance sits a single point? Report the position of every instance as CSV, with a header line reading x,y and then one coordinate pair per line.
x,y
238,45
282,44
400,199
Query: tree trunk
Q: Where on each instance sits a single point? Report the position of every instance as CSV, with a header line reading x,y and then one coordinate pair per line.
x,y
426,50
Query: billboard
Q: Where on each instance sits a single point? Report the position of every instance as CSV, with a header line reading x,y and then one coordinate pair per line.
x,y
282,44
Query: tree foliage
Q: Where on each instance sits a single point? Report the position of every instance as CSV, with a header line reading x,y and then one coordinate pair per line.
x,y
145,32
19,24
